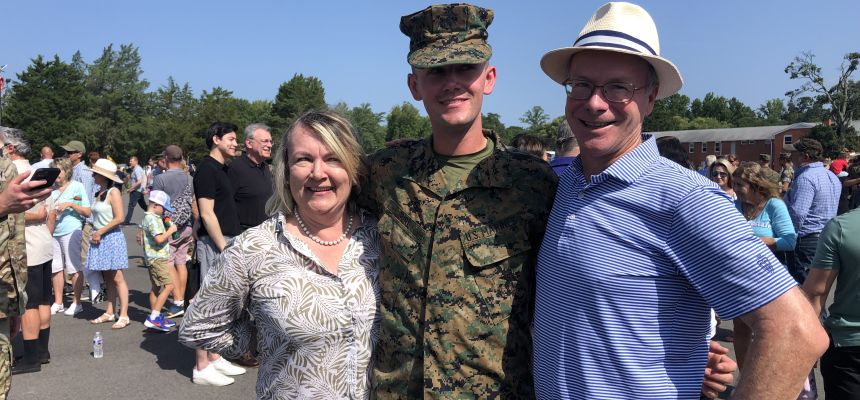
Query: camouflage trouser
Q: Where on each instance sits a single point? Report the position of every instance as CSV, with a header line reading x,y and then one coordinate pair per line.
x,y
5,359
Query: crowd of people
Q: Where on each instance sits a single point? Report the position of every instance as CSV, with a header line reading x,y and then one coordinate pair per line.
x,y
456,266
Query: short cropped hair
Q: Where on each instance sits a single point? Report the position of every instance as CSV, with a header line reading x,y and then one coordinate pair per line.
x,y
218,129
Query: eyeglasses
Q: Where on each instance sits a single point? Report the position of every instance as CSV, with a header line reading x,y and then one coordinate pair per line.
x,y
616,92
715,174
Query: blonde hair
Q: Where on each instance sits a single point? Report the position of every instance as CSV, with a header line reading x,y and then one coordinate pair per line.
x,y
337,134
65,165
753,174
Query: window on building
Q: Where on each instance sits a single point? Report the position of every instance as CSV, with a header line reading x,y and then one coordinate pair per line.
x,y
718,148
704,147
786,139
692,147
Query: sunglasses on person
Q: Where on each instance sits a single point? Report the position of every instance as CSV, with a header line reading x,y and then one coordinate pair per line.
x,y
715,174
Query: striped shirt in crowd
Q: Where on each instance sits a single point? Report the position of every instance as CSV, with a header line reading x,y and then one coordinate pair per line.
x,y
631,262
813,198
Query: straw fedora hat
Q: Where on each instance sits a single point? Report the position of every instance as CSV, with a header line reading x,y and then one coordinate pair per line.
x,y
106,168
622,28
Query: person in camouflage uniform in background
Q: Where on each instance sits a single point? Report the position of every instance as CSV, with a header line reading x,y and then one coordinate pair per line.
x,y
15,198
461,222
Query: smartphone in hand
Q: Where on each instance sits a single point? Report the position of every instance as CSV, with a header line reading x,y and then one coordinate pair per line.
x,y
45,174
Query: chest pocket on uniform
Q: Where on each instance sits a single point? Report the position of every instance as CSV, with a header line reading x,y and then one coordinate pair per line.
x,y
495,261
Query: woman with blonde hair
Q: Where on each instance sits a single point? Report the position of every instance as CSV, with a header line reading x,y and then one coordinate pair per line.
x,y
759,202
307,275
68,206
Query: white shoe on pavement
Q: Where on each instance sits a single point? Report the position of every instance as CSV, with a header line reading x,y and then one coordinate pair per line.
x,y
210,376
226,367
57,308
74,309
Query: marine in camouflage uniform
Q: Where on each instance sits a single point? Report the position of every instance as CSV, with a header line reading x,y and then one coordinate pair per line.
x,y
457,267
13,276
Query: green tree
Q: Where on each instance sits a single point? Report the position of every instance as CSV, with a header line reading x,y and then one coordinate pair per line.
x,y
298,95
368,126
404,121
535,118
772,112
741,114
831,140
842,97
665,110
493,122
118,103
47,102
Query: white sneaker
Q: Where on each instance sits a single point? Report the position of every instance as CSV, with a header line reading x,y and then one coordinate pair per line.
x,y
210,376
74,309
57,308
226,367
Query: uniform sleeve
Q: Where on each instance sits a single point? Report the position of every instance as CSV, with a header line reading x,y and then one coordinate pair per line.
x,y
827,252
216,320
731,268
780,222
204,184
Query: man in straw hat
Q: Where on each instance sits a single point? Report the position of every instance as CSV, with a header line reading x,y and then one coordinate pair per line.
x,y
461,221
629,261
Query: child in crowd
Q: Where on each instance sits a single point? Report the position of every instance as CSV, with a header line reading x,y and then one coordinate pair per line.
x,y
155,245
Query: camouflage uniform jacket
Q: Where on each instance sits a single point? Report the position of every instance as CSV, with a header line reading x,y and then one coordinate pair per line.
x,y
457,272
13,253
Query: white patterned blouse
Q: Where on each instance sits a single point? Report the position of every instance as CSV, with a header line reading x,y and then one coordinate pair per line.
x,y
316,331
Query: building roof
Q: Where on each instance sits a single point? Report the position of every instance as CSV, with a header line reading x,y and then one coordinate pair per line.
x,y
732,134
745,133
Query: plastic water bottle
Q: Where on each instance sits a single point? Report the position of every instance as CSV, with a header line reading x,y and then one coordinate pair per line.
x,y
98,351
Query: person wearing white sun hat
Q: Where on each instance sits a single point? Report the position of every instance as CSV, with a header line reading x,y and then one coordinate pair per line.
x,y
650,223
108,253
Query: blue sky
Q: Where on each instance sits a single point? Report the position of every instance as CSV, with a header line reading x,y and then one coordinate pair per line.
x,y
734,48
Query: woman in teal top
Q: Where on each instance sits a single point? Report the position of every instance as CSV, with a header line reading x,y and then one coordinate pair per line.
x,y
68,206
759,202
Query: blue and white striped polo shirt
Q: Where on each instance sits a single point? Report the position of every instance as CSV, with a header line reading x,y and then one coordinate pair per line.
x,y
630,264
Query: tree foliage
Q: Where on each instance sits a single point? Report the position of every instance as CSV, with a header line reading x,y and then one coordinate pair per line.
x,y
49,101
842,97
404,121
298,95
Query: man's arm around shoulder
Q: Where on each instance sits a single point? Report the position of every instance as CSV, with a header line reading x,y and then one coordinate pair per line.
x,y
789,339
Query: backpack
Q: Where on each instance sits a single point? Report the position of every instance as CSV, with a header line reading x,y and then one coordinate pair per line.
x,y
181,206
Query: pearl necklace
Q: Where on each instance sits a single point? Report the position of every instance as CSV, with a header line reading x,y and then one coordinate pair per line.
x,y
316,239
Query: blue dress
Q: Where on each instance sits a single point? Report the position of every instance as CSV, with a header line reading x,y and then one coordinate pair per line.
x,y
111,253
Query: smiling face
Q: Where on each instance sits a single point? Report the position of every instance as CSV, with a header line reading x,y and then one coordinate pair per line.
x,y
452,94
720,175
260,147
607,130
226,144
319,183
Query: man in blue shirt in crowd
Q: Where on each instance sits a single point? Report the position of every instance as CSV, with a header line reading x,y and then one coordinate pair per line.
x,y
630,265
812,200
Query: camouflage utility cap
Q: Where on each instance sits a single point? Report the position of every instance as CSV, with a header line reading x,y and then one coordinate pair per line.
x,y
447,34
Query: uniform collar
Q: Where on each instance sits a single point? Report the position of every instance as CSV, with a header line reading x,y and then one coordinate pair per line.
x,y
492,171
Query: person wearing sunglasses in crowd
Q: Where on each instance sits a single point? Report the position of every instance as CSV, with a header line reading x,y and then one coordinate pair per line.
x,y
721,173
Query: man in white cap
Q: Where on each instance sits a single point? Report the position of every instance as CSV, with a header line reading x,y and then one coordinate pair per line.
x,y
629,265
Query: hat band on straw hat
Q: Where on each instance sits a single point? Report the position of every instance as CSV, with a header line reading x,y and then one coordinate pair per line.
x,y
608,38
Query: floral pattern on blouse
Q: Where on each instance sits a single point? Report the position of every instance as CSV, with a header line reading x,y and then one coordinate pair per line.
x,y
316,331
